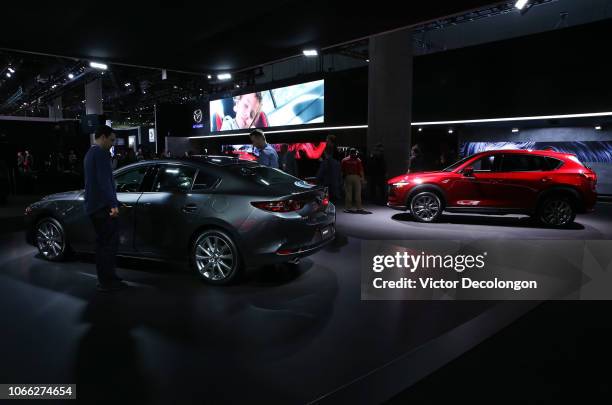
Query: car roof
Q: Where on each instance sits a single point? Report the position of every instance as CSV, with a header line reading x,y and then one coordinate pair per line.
x,y
198,160
551,153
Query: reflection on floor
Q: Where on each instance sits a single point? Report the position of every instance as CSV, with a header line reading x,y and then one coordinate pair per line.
x,y
285,335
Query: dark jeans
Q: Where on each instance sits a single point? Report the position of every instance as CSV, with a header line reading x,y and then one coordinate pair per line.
x,y
107,242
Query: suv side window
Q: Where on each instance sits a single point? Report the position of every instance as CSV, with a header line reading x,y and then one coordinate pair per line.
x,y
524,163
488,163
172,178
130,181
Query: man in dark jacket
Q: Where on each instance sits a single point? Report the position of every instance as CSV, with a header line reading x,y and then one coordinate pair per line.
x,y
103,208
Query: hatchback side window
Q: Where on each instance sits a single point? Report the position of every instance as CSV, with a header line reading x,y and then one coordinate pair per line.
x,y
130,181
486,164
204,180
174,178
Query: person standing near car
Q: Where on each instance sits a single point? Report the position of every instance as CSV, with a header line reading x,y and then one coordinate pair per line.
x,y
267,155
103,208
352,170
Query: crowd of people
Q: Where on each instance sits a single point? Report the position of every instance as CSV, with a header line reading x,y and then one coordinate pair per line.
x,y
352,175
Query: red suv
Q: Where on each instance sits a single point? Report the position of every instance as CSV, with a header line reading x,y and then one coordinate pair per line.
x,y
551,186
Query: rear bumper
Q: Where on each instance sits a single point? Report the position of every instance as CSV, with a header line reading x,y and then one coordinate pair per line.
x,y
276,238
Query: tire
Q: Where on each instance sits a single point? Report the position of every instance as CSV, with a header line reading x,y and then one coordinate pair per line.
x,y
557,211
215,257
425,206
50,238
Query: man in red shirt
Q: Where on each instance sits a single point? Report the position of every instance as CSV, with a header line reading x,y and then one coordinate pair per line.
x,y
352,171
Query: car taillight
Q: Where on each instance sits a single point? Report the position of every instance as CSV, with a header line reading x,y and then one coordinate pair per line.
x,y
325,202
279,206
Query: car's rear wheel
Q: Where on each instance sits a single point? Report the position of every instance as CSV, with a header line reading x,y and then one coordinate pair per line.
x,y
51,239
557,211
215,258
425,206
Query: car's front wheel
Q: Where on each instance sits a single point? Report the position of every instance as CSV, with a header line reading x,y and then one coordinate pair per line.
x,y
425,206
214,256
557,211
51,239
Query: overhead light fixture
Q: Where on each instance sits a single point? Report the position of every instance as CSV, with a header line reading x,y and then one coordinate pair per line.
x,y
598,128
128,84
450,131
70,76
237,86
520,4
54,86
98,65
310,52
368,60
420,129
515,129
10,69
224,76
8,74
209,76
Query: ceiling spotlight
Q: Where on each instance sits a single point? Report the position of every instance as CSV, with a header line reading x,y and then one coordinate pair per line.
x,y
209,76
128,84
515,129
8,74
310,52
450,131
70,76
97,65
520,4
224,76
54,86
237,86
420,129
10,69
368,60
598,128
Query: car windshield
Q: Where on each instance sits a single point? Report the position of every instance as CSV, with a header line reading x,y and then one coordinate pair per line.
x,y
457,164
266,176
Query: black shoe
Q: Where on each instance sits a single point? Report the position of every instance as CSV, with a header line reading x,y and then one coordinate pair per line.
x,y
112,286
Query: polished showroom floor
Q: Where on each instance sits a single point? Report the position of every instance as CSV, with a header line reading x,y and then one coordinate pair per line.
x,y
284,335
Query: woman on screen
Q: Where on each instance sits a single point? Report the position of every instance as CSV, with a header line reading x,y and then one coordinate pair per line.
x,y
248,113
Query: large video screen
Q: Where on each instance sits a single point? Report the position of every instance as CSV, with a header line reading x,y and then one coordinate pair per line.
x,y
292,105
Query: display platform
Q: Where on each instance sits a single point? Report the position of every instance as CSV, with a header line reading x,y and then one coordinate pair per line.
x,y
286,335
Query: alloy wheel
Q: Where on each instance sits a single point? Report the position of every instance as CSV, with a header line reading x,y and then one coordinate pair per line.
x,y
425,207
557,212
50,240
214,257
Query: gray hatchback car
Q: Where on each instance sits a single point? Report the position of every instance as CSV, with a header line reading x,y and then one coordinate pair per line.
x,y
222,214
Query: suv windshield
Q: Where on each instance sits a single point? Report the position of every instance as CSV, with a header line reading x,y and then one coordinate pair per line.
x,y
264,175
457,164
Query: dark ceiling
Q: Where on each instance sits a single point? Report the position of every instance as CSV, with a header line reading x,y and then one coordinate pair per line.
x,y
205,36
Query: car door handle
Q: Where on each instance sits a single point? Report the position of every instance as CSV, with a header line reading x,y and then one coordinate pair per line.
x,y
189,208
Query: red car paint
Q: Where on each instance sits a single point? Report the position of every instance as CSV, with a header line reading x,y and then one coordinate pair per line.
x,y
501,190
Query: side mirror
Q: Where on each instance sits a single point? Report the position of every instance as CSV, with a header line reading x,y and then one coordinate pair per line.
x,y
468,171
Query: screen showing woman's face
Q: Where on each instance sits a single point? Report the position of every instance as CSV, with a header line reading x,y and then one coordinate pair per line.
x,y
246,108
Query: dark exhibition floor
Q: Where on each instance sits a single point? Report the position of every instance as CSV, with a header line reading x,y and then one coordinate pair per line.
x,y
290,335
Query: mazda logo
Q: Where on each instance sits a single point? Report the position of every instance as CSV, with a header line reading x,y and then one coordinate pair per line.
x,y
197,116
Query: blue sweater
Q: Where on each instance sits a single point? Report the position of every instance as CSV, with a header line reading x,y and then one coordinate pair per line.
x,y
99,181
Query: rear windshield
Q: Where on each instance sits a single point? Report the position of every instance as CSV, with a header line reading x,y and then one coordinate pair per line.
x,y
264,175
